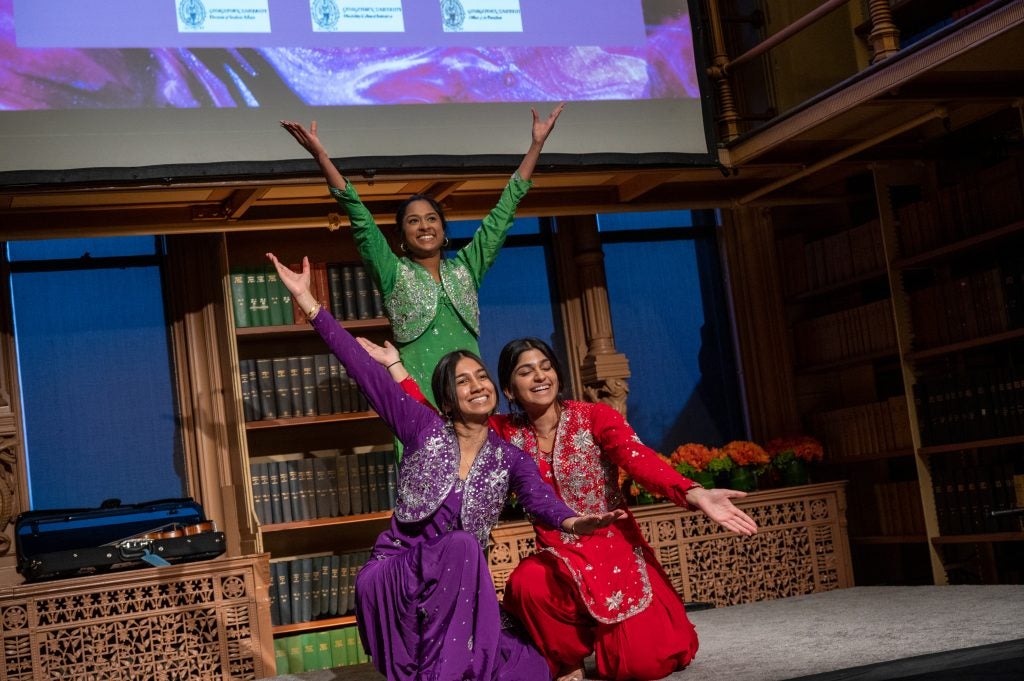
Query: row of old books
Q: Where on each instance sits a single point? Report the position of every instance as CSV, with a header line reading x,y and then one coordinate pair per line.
x,y
295,386
974,405
837,258
259,298
898,508
316,650
863,430
845,334
988,198
976,304
324,483
317,586
969,485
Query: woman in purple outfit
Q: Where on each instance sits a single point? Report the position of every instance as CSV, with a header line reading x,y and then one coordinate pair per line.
x,y
425,603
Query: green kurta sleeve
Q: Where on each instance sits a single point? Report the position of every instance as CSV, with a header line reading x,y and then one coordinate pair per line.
x,y
373,247
480,252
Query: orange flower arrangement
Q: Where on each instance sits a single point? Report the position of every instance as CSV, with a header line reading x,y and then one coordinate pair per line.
x,y
692,454
803,447
744,453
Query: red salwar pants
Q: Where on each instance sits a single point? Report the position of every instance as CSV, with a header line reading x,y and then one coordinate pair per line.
x,y
649,645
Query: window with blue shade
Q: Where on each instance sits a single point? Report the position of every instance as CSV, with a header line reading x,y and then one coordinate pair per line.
x,y
671,319
95,371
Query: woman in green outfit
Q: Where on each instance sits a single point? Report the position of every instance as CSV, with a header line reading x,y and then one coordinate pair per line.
x,y
430,300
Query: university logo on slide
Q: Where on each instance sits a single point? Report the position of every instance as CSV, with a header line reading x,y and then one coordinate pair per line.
x,y
326,14
453,14
192,13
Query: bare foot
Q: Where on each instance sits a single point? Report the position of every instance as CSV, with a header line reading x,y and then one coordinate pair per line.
x,y
574,675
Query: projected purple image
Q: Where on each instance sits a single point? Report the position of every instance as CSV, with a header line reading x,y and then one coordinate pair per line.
x,y
41,78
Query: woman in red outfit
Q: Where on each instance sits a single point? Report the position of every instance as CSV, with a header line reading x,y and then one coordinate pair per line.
x,y
605,594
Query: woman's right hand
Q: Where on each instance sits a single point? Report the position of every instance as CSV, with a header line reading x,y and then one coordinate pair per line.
x,y
297,283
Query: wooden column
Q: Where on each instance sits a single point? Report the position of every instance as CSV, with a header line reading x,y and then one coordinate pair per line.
x,y
603,372
13,480
884,37
728,115
206,365
748,247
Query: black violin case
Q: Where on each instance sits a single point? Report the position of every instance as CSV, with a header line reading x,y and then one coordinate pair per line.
x,y
115,536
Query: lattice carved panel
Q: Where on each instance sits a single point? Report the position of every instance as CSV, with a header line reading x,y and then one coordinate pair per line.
x,y
201,621
800,548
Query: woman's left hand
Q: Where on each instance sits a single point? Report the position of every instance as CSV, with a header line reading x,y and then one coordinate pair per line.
x,y
717,504
588,524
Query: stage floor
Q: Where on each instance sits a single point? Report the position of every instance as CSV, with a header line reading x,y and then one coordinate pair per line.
x,y
863,633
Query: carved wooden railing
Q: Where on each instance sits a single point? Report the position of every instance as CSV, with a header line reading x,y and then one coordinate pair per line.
x,y
203,621
801,547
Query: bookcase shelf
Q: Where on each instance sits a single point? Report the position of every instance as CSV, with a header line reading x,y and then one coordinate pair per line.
x,y
327,522
289,330
847,362
986,538
871,456
319,486
315,625
294,421
890,539
961,247
973,343
989,443
878,275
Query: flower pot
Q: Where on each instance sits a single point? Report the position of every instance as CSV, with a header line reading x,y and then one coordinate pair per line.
x,y
792,473
705,479
743,479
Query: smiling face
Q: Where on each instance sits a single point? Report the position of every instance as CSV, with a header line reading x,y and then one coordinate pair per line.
x,y
422,228
474,391
533,384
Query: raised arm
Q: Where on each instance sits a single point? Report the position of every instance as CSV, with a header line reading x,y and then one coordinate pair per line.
x,y
541,130
407,418
311,143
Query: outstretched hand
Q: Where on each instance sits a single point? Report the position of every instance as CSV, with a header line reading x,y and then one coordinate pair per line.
x,y
717,505
382,354
307,138
543,128
296,282
590,523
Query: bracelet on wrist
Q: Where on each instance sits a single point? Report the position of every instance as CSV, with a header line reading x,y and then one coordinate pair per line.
x,y
313,311
393,364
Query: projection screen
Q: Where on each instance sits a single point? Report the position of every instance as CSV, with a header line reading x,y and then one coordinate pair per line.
x,y
117,89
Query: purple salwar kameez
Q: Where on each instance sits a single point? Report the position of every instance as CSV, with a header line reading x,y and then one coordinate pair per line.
x,y
425,603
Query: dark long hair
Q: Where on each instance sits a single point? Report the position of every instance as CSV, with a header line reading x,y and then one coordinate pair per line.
x,y
404,206
508,359
442,383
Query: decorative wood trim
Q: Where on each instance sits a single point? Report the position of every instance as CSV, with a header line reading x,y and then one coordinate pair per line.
x,y
866,86
206,365
764,342
13,480
603,371
207,621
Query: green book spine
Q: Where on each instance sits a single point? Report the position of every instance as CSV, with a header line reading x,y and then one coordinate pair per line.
x,y
259,307
339,652
239,299
295,660
281,657
275,305
323,650
310,657
352,645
